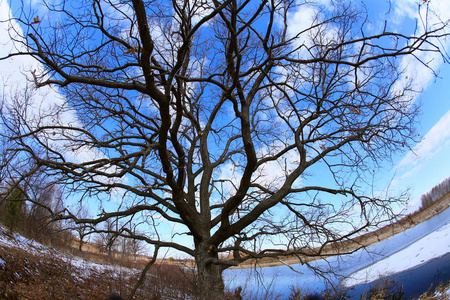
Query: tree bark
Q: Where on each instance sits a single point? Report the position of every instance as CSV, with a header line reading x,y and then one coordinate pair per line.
x,y
211,285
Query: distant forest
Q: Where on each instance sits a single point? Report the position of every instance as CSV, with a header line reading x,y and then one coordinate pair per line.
x,y
435,193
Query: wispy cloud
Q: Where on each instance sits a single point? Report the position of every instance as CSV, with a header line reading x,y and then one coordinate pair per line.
x,y
435,141
45,107
420,69
427,15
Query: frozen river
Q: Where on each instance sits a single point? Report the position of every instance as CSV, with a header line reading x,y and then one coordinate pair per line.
x,y
405,251
417,280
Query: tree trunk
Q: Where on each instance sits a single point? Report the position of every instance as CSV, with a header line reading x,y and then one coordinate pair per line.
x,y
210,279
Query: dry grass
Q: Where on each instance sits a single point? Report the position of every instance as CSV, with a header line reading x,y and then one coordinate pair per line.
x,y
442,292
24,275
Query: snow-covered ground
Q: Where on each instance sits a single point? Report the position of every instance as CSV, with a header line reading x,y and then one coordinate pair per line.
x,y
406,250
14,240
431,246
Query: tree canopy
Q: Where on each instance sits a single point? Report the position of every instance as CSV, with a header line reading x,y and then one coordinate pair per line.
x,y
218,117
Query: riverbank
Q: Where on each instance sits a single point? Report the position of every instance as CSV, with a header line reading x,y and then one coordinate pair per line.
x,y
413,282
362,241
317,276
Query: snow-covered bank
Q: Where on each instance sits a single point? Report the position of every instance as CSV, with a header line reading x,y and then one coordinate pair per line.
x,y
29,270
281,279
431,246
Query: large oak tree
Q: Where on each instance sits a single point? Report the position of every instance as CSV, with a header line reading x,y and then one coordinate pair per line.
x,y
218,116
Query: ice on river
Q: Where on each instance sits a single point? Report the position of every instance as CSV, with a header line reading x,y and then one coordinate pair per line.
x,y
431,246
406,250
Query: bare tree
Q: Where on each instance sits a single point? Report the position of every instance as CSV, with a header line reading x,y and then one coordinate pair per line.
x,y
216,116
30,202
131,246
437,192
82,230
107,238
43,200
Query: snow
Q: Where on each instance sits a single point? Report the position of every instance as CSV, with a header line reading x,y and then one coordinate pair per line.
x,y
17,241
425,249
81,266
406,250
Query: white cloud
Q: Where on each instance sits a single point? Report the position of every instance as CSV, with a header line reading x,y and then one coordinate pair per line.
x,y
273,174
436,140
421,67
198,9
301,21
303,30
46,106
409,9
404,9
15,81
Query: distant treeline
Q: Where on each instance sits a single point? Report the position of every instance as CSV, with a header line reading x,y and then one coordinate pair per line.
x,y
27,209
435,193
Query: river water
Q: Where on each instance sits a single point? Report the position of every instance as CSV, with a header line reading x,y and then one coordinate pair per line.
x,y
281,279
413,282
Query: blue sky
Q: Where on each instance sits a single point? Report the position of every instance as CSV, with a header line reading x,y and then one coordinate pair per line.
x,y
429,161
420,171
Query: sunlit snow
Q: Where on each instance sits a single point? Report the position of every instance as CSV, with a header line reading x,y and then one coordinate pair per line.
x,y
408,249
429,247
